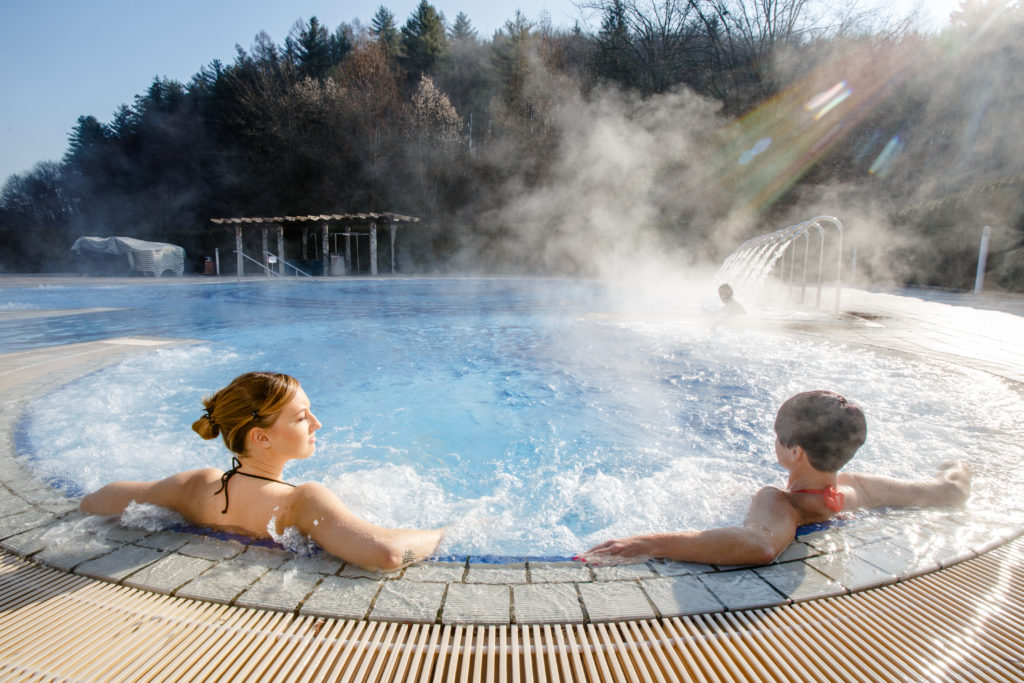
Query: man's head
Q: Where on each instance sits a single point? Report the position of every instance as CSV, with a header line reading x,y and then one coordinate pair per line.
x,y
829,428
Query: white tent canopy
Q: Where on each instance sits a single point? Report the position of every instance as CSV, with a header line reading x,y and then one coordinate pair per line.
x,y
143,257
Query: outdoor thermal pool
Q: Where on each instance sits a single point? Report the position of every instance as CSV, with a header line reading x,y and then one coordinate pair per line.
x,y
503,408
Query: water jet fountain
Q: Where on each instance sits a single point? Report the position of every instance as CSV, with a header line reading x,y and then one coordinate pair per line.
x,y
749,265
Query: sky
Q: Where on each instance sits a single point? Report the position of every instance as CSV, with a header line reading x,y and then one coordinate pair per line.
x,y
61,59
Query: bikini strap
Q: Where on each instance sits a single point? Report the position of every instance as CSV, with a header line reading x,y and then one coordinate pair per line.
x,y
235,465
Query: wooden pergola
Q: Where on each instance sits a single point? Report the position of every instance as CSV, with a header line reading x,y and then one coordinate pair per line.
x,y
350,224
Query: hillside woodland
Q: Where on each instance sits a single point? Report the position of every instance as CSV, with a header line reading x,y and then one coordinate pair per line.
x,y
678,127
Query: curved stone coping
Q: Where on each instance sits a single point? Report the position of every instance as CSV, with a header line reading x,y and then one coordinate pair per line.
x,y
857,552
860,552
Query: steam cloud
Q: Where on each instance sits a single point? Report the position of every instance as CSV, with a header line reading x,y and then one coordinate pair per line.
x,y
913,160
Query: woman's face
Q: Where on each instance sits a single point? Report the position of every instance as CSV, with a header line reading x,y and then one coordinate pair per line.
x,y
292,434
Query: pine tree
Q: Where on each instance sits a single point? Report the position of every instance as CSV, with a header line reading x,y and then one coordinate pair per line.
x,y
510,56
86,141
613,60
383,27
423,40
340,43
462,30
310,48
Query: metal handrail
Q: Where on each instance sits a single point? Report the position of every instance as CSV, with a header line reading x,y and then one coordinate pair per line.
x,y
793,232
261,265
269,270
839,254
297,270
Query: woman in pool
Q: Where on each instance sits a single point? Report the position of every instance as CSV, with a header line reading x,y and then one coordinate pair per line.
x,y
266,421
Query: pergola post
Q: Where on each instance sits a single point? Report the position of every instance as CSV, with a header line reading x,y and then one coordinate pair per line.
x,y
264,258
280,249
238,251
373,249
325,248
351,226
394,230
348,250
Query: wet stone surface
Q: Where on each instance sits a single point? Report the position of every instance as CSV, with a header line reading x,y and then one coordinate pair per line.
x,y
823,562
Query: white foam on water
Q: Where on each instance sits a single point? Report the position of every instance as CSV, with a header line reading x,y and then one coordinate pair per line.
x,y
85,536
150,517
128,421
291,538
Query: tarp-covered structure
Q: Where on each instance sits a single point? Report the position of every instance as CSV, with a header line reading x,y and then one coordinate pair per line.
x,y
154,258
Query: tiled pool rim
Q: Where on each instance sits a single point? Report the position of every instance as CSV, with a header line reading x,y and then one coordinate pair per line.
x,y
860,553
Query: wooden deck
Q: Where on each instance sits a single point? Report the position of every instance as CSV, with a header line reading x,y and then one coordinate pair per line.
x,y
962,623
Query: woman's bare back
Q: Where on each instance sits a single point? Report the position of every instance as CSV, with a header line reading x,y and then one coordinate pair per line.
x,y
251,503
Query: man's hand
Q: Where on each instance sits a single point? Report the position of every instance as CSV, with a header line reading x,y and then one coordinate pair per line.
x,y
618,551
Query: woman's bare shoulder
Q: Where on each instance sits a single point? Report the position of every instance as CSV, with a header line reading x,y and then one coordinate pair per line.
x,y
312,503
314,492
194,482
203,475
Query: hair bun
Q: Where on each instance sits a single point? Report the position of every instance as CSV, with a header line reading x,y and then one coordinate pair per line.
x,y
206,427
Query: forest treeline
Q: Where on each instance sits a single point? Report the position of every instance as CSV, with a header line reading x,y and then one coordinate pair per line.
x,y
672,127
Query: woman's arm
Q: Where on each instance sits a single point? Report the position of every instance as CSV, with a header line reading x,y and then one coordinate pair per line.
x,y
319,514
174,493
950,486
769,527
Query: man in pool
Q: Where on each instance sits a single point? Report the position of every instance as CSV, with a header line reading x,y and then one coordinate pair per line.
x,y
729,304
817,433
266,421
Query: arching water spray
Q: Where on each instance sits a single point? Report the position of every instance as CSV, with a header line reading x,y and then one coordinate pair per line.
x,y
748,267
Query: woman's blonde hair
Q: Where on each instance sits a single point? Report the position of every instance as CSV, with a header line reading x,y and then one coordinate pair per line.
x,y
251,400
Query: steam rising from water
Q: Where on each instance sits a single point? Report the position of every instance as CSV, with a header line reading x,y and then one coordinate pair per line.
x,y
871,131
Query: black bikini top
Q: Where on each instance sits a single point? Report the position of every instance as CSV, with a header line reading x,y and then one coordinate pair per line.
x,y
235,464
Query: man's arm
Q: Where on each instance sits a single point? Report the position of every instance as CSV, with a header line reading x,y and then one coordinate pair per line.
x,y
769,527
950,486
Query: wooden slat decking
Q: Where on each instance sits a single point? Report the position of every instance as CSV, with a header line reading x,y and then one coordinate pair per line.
x,y
961,623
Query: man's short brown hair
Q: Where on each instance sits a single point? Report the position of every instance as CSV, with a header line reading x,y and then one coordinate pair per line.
x,y
829,428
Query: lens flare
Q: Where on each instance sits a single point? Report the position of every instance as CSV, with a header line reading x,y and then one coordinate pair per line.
x,y
762,155
881,165
827,101
762,145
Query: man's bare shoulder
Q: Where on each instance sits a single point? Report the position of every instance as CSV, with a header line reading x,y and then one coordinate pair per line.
x,y
776,508
770,501
771,493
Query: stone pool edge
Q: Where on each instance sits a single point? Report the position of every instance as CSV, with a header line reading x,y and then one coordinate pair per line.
x,y
864,552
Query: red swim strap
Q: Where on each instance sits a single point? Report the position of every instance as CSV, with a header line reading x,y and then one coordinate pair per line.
x,y
833,497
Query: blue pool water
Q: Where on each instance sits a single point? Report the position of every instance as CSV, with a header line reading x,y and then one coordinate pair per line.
x,y
503,408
